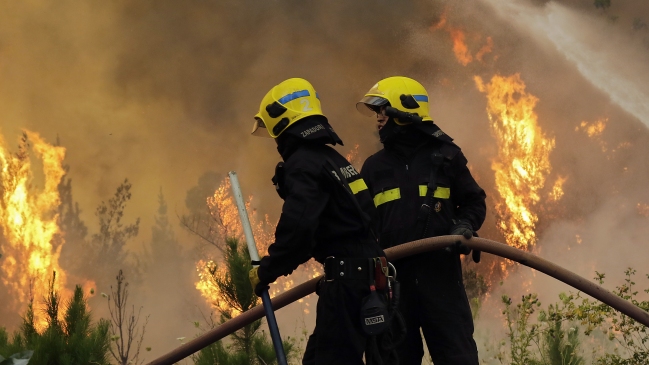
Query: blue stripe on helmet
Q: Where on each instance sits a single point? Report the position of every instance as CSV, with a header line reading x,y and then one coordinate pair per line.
x,y
421,97
292,96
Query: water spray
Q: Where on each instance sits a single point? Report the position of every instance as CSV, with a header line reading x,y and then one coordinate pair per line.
x,y
254,256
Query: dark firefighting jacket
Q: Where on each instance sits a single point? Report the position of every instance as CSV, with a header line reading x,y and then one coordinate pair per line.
x,y
432,290
319,216
397,179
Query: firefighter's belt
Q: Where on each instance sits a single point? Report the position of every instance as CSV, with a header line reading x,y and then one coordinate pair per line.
x,y
348,268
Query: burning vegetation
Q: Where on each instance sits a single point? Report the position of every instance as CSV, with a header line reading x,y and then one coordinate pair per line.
x,y
29,221
224,227
523,160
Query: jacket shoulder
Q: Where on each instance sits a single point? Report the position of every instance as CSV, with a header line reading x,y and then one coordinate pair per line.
x,y
305,158
312,158
374,160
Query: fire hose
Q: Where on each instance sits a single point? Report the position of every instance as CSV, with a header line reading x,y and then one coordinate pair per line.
x,y
409,249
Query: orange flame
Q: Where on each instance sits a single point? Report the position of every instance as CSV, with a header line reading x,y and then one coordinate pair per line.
x,y
523,157
459,47
595,128
487,48
557,189
352,157
28,221
207,269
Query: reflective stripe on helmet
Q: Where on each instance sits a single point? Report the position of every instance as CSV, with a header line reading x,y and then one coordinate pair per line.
x,y
423,98
292,96
358,186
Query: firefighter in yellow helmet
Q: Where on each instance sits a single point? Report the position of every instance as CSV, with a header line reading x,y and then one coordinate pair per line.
x,y
421,187
325,216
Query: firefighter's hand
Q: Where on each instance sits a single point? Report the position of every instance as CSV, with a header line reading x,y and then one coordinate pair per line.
x,y
476,256
318,285
464,229
260,288
256,283
254,277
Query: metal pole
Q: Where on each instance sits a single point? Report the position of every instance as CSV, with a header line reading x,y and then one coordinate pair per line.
x,y
254,256
409,249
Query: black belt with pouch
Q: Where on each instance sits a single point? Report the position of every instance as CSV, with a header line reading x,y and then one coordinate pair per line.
x,y
373,270
375,315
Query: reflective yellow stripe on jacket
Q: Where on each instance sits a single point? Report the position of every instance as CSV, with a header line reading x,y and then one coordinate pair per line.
x,y
440,192
387,196
394,194
357,186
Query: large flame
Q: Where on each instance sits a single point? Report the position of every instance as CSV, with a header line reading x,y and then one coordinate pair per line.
x,y
523,160
28,221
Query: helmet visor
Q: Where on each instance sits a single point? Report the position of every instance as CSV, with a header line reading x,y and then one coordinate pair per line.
x,y
371,105
259,128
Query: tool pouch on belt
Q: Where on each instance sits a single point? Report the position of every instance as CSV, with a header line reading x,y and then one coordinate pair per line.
x,y
375,308
375,313
375,318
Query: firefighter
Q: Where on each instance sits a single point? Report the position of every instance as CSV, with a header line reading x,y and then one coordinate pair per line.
x,y
326,215
422,188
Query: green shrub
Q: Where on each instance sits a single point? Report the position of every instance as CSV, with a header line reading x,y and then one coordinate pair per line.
x,y
72,340
248,345
546,341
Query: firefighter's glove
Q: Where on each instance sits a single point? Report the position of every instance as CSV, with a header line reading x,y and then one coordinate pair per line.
x,y
476,256
254,277
260,288
256,283
465,229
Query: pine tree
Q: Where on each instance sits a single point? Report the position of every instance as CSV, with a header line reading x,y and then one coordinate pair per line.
x,y
69,337
249,344
164,246
108,246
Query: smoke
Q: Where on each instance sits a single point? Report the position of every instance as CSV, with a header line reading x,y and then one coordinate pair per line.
x,y
595,45
163,92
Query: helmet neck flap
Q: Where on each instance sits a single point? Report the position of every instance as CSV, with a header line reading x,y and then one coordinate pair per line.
x,y
311,130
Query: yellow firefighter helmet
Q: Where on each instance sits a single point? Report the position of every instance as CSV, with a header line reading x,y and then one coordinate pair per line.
x,y
404,94
284,105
